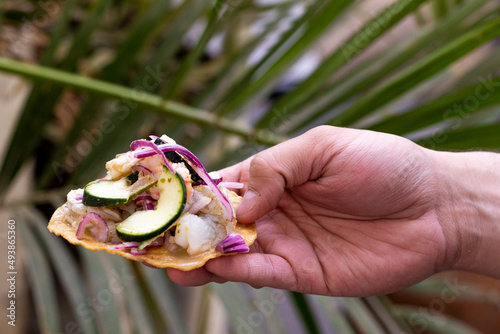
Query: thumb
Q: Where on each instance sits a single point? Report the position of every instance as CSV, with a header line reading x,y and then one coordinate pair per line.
x,y
265,189
286,165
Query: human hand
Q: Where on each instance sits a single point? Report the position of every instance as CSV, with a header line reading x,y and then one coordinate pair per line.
x,y
339,212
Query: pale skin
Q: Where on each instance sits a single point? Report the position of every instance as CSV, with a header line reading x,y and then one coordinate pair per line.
x,y
346,212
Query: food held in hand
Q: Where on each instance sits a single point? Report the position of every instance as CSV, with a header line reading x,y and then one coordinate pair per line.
x,y
157,204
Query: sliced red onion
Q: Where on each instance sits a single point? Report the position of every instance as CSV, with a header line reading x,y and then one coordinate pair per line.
x,y
142,197
237,249
214,176
146,201
134,251
153,138
203,183
126,245
149,205
100,231
231,185
79,198
233,243
198,205
160,241
145,170
136,144
195,163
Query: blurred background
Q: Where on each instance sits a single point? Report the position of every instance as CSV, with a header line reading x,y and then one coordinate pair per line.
x,y
80,79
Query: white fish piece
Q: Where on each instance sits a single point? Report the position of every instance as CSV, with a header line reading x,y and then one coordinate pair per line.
x,y
196,234
122,165
214,207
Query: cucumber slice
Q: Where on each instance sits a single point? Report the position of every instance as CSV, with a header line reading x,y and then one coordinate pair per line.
x,y
106,193
144,225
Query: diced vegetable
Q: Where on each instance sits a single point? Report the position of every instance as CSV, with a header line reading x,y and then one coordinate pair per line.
x,y
233,243
100,231
108,192
144,225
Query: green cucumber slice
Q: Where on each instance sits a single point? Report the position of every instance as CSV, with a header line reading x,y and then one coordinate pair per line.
x,y
144,225
106,193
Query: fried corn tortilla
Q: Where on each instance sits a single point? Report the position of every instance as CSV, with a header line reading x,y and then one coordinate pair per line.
x,y
159,256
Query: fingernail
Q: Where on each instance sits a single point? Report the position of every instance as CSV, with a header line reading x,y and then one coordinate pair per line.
x,y
248,202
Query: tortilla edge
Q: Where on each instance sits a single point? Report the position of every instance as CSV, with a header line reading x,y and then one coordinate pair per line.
x,y
60,227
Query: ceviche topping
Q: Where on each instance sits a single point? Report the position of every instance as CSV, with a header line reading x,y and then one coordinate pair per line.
x,y
158,195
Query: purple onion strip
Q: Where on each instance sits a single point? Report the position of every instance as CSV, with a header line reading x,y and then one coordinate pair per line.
x,y
237,249
216,181
100,231
233,243
134,251
160,241
200,204
132,244
148,205
127,245
146,201
145,170
195,163
136,144
142,197
231,185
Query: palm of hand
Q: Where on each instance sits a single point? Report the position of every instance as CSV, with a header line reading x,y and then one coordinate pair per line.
x,y
343,256
374,234
357,221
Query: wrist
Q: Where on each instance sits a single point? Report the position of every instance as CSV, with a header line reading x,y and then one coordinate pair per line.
x,y
468,207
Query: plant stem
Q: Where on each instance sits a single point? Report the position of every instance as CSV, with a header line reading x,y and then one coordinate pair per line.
x,y
148,100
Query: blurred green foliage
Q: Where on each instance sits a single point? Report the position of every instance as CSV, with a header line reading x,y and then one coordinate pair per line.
x,y
217,76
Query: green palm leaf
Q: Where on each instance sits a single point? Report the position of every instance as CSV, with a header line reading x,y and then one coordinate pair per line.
x,y
150,101
350,49
418,72
40,277
359,79
68,272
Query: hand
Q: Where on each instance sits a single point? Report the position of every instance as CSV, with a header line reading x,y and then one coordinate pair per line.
x,y
339,212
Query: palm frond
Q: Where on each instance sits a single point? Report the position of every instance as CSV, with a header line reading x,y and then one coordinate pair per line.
x,y
361,79
149,101
345,53
418,72
40,277
105,301
67,271
157,281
